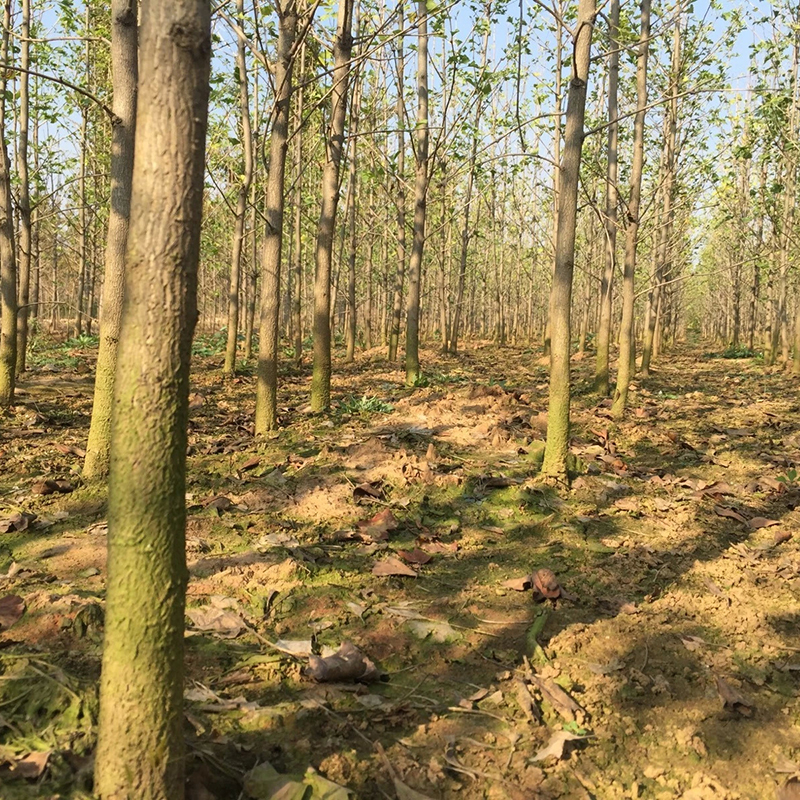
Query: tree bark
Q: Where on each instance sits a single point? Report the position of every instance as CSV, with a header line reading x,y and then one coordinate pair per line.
x,y
413,373
601,383
350,333
334,146
124,70
297,253
626,362
555,456
140,747
400,188
24,190
241,204
8,261
267,383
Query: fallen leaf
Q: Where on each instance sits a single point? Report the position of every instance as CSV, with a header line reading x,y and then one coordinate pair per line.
x,y
448,549
544,581
557,697
70,450
264,782
441,632
377,528
519,584
348,663
222,621
732,698
17,522
251,463
761,522
693,643
50,486
392,566
12,607
372,490
218,502
724,511
32,766
527,703
301,648
557,746
415,556
790,790
781,537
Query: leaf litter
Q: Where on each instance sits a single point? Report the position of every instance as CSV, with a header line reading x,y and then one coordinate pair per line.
x,y
680,553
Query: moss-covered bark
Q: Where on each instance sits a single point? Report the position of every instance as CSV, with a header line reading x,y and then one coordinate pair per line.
x,y
140,748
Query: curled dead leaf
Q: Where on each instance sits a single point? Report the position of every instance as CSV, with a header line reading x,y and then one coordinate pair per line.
x,y
732,698
729,513
377,528
415,556
12,607
17,522
348,663
50,486
761,522
393,566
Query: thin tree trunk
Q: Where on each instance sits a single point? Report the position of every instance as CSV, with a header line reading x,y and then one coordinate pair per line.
x,y
627,338
140,752
413,373
601,383
24,190
555,457
241,204
267,384
397,303
124,68
350,339
297,253
8,261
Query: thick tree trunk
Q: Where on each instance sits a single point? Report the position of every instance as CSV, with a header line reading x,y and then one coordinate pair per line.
x,y
140,753
241,205
267,384
413,373
124,70
601,383
555,456
8,260
627,338
334,146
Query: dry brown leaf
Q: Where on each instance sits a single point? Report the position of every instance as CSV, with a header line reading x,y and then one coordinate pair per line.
x,y
761,522
12,607
733,699
17,522
790,790
348,663
218,502
415,556
372,490
251,463
557,746
32,766
527,703
222,621
392,566
557,698
438,547
377,528
781,537
545,582
50,486
519,584
724,511
70,450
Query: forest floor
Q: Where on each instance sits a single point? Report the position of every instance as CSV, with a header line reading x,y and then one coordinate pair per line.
x,y
670,668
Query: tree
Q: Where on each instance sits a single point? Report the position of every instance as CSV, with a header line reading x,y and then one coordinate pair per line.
x,y
606,290
140,746
8,261
625,364
267,386
241,201
555,456
124,69
323,254
420,200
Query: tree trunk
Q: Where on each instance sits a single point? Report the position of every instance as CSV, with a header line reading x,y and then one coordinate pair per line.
x,y
241,204
601,383
124,69
267,384
397,303
420,201
334,146
24,191
297,253
667,212
350,341
140,752
8,261
555,456
627,338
